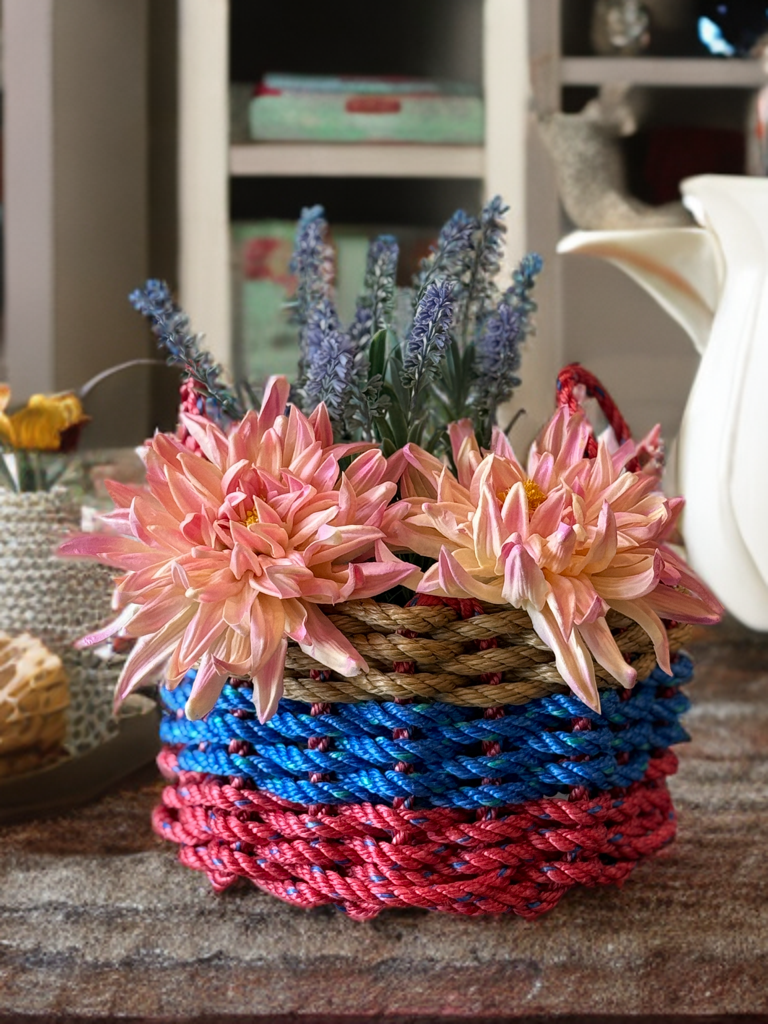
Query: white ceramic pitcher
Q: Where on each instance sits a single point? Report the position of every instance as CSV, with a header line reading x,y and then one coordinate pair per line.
x,y
713,280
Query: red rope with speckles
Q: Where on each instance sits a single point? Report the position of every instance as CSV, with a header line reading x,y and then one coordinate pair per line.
x,y
572,377
366,858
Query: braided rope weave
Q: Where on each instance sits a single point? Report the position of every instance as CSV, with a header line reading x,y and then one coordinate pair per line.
x,y
457,652
433,755
364,858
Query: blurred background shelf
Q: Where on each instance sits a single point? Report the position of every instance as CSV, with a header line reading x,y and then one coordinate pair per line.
x,y
224,180
589,311
370,160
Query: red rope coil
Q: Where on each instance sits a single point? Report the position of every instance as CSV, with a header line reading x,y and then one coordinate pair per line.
x,y
366,858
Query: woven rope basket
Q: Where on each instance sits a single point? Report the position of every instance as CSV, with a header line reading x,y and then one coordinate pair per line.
x,y
434,653
457,774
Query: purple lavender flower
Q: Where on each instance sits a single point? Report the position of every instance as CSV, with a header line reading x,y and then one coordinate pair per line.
x,y
330,362
452,255
497,357
482,292
375,305
312,262
497,350
429,335
170,324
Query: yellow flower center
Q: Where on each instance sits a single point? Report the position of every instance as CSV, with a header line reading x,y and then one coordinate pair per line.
x,y
252,518
533,493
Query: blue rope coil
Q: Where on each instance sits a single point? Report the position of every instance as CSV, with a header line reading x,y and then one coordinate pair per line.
x,y
544,747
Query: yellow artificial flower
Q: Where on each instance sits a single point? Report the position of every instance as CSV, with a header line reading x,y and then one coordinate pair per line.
x,y
6,430
42,425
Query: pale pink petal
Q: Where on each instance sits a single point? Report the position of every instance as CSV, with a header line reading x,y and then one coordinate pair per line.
x,y
643,614
501,446
212,441
267,627
603,549
122,494
321,425
684,606
427,466
466,453
369,579
276,392
572,658
601,643
206,689
149,653
490,532
524,582
455,581
205,627
326,644
100,635
558,550
268,683
625,583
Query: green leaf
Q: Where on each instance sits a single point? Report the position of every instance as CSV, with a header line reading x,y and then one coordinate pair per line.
x,y
383,429
398,423
439,435
377,354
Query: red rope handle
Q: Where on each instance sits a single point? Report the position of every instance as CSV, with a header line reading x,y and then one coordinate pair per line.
x,y
569,378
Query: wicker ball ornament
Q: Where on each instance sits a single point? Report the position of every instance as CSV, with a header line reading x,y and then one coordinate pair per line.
x,y
34,699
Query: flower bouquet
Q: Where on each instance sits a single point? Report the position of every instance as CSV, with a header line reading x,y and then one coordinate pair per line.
x,y
403,668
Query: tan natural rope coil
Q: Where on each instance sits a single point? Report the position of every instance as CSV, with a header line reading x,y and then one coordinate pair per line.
x,y
447,664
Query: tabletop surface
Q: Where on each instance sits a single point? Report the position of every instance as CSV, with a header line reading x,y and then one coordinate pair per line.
x,y
98,920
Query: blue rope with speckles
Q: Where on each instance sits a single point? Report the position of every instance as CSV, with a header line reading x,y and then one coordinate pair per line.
x,y
439,761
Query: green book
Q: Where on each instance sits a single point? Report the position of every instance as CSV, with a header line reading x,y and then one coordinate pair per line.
x,y
302,115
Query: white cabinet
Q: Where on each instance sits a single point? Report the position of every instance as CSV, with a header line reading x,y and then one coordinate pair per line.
x,y
485,40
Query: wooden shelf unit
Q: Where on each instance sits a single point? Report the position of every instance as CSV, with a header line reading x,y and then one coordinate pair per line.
x,y
209,161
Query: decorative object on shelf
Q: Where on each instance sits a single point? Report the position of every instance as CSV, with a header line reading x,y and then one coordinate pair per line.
x,y
424,698
620,28
733,28
299,108
590,166
712,280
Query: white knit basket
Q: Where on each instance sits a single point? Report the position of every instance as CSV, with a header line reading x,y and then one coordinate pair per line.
x,y
57,600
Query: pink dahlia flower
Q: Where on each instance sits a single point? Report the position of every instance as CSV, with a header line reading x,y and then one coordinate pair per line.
x,y
566,539
230,552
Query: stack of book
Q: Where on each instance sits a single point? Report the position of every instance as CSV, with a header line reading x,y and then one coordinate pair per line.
x,y
301,108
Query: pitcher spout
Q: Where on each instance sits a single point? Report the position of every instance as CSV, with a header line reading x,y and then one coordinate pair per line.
x,y
680,267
